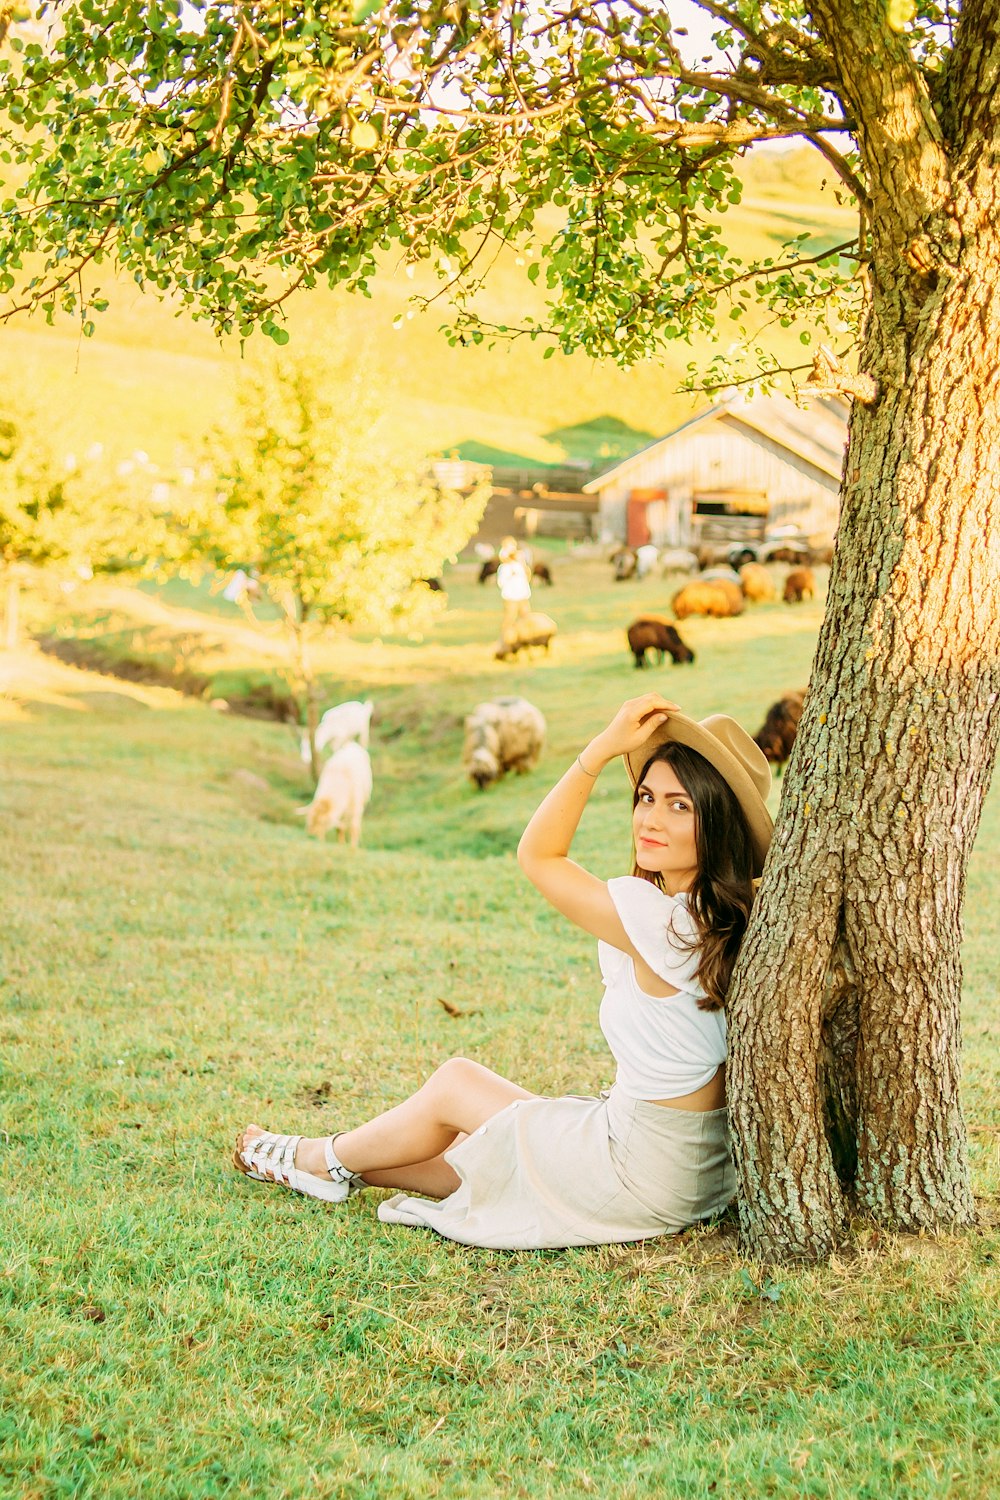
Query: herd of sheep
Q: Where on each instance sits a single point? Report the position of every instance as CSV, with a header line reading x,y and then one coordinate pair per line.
x,y
508,733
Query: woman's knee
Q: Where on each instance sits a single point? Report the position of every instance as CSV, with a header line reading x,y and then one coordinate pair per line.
x,y
454,1073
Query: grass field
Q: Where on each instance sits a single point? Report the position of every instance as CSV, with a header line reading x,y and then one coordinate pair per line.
x,y
180,957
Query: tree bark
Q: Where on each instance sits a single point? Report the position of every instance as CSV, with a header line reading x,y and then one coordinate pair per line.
x,y
305,680
850,974
11,613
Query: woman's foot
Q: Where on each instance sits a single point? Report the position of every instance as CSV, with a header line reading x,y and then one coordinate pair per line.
x,y
309,1155
287,1159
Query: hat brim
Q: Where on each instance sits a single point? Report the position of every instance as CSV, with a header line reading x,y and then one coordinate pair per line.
x,y
679,729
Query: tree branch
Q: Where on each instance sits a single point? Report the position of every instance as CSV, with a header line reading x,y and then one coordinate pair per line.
x,y
841,166
898,132
738,133
829,377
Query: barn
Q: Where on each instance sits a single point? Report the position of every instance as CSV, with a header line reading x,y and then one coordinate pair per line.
x,y
729,473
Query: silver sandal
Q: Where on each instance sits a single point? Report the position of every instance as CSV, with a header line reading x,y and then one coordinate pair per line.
x,y
271,1158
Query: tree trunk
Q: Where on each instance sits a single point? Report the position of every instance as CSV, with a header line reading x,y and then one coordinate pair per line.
x,y
305,681
850,975
11,612
312,722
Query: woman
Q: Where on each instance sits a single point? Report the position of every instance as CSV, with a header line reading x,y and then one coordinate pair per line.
x,y
649,1157
514,583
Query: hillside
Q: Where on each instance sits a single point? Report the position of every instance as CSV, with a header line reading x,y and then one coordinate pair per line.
x,y
152,379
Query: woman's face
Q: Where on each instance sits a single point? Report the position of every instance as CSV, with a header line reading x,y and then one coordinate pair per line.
x,y
664,827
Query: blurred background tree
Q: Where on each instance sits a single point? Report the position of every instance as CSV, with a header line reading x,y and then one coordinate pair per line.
x,y
310,495
67,518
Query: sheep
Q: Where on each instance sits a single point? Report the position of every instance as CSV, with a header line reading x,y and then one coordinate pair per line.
x,y
506,734
733,593
757,584
541,573
342,795
718,597
721,571
532,629
489,568
646,558
776,735
625,563
654,633
678,560
345,721
800,584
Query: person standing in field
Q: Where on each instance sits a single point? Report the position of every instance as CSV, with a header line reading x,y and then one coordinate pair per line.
x,y
514,583
650,1155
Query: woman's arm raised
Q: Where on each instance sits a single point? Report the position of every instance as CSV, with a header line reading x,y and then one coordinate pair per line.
x,y
543,852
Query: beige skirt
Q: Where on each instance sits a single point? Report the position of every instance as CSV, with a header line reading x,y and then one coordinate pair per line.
x,y
547,1173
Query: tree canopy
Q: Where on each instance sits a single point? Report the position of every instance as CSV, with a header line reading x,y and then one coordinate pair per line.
x,y
235,152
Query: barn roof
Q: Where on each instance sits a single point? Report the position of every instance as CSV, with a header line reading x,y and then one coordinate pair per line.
x,y
817,436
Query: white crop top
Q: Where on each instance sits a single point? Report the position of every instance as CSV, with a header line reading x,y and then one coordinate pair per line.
x,y
664,1046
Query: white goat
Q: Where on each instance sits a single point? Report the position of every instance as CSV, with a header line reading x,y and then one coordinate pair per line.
x,y
346,721
342,795
505,735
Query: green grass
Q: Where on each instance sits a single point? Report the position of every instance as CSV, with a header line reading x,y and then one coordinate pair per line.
x,y
180,957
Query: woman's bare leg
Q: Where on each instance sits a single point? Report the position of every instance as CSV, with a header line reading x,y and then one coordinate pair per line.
x,y
436,1178
456,1099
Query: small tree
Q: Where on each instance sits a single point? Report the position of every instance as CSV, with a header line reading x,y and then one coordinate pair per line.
x,y
62,516
336,519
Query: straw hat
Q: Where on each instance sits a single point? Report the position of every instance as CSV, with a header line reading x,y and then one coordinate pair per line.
x,y
728,747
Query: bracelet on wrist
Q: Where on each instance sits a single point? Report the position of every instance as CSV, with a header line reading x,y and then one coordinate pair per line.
x,y
592,774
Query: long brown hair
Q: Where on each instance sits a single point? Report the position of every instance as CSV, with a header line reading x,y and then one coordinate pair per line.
x,y
721,893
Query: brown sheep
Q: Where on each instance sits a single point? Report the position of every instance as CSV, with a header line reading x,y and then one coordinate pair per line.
x,y
757,584
800,584
790,554
654,633
625,563
532,629
489,568
776,735
719,597
541,573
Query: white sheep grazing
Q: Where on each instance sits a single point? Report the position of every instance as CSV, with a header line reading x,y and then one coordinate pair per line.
x,y
346,721
645,559
342,795
506,734
678,560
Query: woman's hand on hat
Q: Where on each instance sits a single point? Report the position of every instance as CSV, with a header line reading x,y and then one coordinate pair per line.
x,y
631,726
